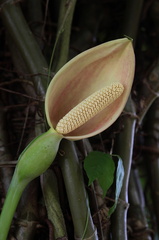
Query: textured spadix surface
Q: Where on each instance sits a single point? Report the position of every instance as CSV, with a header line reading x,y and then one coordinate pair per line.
x,y
89,108
90,71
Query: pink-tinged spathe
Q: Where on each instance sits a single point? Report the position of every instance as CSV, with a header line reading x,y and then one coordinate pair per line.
x,y
85,74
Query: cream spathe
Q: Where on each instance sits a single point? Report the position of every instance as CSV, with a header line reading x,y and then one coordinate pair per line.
x,y
90,71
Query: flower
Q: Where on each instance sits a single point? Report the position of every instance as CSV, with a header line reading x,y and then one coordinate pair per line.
x,y
88,73
84,98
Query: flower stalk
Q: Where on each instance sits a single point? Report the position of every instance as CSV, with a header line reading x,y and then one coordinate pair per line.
x,y
33,161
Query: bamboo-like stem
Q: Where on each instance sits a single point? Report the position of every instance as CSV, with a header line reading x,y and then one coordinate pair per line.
x,y
132,18
99,201
77,197
64,31
27,212
61,47
137,213
13,196
152,158
34,16
152,86
26,44
124,148
51,198
153,91
125,140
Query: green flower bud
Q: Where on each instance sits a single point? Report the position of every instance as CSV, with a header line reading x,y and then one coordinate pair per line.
x,y
38,156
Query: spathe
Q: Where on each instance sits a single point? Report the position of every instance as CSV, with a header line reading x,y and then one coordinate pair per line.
x,y
85,74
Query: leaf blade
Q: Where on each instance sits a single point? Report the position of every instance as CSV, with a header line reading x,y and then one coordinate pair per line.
x,y
100,166
119,182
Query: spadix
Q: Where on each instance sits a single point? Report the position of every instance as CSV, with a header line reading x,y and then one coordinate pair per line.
x,y
89,108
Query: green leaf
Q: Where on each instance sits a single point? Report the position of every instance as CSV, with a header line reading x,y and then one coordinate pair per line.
x,y
100,166
119,182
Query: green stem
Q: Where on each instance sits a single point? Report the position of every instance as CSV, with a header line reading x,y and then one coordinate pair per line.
x,y
77,197
13,196
97,200
151,127
34,160
64,31
125,141
27,212
137,213
124,148
51,198
150,91
34,15
132,18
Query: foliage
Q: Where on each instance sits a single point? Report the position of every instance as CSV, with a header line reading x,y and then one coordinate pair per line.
x,y
100,166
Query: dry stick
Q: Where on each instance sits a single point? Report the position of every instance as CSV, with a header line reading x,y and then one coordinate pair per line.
x,y
125,140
